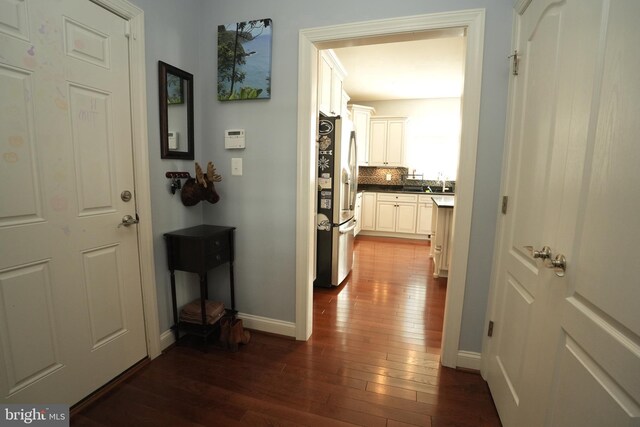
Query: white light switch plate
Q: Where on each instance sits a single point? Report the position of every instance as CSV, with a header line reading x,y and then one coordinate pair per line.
x,y
236,166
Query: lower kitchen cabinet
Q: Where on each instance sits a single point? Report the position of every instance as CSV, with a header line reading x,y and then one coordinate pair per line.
x,y
368,216
396,213
441,226
358,214
425,212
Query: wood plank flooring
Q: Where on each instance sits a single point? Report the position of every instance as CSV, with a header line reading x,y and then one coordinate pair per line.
x,y
373,360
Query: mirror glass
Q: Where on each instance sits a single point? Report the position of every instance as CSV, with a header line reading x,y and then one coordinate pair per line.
x,y
175,87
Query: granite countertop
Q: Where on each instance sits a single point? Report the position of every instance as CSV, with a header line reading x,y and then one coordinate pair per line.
x,y
395,189
443,201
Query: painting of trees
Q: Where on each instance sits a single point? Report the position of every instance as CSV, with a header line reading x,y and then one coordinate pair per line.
x,y
244,60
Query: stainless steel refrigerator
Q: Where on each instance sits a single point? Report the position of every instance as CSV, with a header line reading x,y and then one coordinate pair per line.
x,y
337,189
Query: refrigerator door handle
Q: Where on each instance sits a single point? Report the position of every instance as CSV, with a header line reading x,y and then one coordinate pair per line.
x,y
347,230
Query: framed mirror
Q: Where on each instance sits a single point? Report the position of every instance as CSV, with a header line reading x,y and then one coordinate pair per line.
x,y
175,88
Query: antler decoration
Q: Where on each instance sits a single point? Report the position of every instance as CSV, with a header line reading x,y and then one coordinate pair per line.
x,y
201,187
200,176
211,173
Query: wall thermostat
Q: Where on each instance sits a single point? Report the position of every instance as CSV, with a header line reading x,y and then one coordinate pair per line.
x,y
234,138
173,140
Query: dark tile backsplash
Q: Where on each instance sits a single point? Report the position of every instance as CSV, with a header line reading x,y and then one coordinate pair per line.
x,y
371,175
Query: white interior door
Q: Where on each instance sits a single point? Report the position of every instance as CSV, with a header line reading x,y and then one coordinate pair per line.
x,y
566,350
70,295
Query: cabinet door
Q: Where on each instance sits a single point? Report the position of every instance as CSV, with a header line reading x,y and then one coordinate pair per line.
x,y
361,125
395,143
324,87
336,92
424,218
358,214
368,221
377,142
386,216
406,218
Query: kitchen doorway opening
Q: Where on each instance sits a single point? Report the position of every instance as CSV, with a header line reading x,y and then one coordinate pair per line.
x,y
310,42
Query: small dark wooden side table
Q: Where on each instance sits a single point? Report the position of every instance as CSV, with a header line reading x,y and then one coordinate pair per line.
x,y
197,250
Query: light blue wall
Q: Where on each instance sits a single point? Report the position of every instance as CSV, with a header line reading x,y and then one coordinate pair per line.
x,y
262,202
172,35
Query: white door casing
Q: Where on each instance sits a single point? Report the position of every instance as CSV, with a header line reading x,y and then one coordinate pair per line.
x,y
70,293
566,350
328,37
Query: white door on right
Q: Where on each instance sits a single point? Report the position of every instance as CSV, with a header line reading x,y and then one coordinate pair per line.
x,y
565,350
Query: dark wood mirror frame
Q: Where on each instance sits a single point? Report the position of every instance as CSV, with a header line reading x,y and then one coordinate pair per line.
x,y
186,84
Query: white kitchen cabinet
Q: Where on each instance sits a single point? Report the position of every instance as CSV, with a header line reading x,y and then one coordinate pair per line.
x,y
358,214
344,107
386,141
361,118
330,77
425,207
396,213
368,219
441,226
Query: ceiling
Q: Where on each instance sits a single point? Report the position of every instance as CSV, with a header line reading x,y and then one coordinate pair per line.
x,y
417,69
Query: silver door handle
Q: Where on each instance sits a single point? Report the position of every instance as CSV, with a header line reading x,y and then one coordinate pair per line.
x,y
544,253
128,220
559,265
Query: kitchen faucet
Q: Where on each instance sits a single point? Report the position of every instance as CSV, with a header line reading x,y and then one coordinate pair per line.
x,y
444,181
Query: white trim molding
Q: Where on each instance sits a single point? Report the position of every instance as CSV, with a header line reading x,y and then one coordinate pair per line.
x,y
249,321
137,80
265,324
327,37
469,360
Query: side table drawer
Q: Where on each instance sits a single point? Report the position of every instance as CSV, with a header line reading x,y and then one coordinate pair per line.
x,y
201,254
217,250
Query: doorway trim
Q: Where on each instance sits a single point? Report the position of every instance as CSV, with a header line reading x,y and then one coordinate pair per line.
x,y
309,41
138,93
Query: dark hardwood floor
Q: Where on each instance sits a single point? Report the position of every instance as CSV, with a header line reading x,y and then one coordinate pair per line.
x,y
373,359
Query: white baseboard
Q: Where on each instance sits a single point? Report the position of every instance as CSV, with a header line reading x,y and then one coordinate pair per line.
x,y
166,339
265,324
469,360
397,235
258,323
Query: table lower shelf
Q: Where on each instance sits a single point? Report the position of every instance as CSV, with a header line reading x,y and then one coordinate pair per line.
x,y
202,330
196,329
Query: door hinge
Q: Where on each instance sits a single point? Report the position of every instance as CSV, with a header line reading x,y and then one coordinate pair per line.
x,y
515,61
490,330
505,203
127,29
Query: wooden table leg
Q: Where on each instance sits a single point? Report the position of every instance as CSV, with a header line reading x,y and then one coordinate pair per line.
x,y
176,332
232,286
203,307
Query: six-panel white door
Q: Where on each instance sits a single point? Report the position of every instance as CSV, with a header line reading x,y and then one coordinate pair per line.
x,y
566,350
70,295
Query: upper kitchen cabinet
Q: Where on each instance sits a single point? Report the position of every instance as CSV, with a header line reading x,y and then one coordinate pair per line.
x,y
361,118
330,78
386,141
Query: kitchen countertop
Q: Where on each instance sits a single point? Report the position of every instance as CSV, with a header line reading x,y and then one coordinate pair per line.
x,y
396,189
443,201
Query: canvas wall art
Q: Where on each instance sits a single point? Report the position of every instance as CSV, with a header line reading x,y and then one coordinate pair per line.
x,y
244,60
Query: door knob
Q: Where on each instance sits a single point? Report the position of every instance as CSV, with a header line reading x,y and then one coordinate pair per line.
x,y
128,220
559,265
544,253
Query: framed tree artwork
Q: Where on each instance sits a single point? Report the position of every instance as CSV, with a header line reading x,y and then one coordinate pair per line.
x,y
244,60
